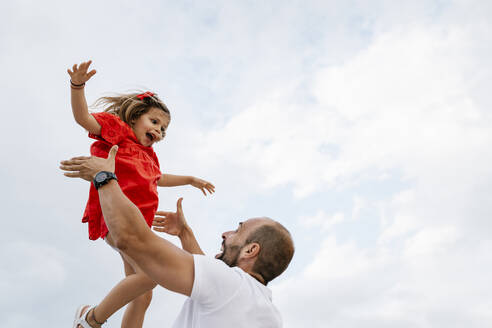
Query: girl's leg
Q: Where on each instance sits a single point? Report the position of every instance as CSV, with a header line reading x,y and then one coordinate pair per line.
x,y
135,284
135,311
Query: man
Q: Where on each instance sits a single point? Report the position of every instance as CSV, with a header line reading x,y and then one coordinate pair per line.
x,y
227,293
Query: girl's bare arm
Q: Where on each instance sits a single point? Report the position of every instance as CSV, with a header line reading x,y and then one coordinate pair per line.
x,y
78,76
171,180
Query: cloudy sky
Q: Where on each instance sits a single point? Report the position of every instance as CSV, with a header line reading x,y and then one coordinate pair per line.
x,y
363,126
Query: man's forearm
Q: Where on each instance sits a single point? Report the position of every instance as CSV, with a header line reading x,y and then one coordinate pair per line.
x,y
163,262
189,242
122,217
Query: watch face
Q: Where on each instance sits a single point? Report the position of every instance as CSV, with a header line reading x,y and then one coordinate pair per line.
x,y
101,176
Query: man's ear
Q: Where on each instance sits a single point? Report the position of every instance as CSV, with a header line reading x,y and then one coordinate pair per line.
x,y
251,250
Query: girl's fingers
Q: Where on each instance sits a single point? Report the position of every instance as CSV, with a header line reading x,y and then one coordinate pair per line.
x,y
87,64
203,190
74,67
69,72
83,67
91,74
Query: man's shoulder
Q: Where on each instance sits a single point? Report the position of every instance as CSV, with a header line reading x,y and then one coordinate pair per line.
x,y
218,269
212,263
203,260
223,294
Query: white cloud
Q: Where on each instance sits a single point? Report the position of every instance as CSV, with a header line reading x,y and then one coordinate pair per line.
x,y
400,221
41,266
322,220
347,286
407,104
404,103
431,241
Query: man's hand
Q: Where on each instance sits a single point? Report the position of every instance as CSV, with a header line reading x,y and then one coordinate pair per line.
x,y
79,74
172,223
87,167
202,185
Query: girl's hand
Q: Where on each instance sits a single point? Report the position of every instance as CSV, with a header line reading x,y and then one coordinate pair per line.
x,y
202,185
172,223
79,74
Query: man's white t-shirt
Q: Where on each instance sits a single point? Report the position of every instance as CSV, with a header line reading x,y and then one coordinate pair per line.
x,y
226,297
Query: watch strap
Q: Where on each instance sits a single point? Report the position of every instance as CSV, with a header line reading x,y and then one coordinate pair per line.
x,y
108,176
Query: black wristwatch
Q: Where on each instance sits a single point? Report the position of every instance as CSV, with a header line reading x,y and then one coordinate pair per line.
x,y
102,178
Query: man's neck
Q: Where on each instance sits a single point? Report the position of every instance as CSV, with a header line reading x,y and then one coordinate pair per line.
x,y
248,268
258,277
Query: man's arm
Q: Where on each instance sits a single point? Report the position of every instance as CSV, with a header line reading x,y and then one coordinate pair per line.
x,y
189,242
166,264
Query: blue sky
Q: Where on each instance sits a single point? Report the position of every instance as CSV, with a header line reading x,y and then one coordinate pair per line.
x,y
363,126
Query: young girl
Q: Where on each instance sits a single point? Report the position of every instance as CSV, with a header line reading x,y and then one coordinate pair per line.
x,y
134,122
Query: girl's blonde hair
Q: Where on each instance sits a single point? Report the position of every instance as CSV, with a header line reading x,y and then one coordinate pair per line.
x,y
129,107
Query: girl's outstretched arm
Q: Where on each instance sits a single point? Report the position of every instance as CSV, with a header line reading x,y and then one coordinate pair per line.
x,y
171,180
78,77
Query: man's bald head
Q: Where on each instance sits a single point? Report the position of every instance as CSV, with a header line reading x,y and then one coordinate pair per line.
x,y
276,247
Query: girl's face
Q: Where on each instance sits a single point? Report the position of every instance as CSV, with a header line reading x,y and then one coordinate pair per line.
x,y
151,126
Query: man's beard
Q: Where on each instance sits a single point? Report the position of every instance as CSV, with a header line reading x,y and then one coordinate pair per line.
x,y
230,255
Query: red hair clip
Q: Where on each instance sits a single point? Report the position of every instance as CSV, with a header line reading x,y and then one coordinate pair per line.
x,y
144,95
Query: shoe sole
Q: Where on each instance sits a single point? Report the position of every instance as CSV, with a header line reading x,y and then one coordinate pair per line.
x,y
78,313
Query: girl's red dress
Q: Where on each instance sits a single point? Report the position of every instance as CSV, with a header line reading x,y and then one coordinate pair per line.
x,y
137,169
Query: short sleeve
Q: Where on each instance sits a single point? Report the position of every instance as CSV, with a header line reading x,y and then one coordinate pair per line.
x,y
113,129
215,283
